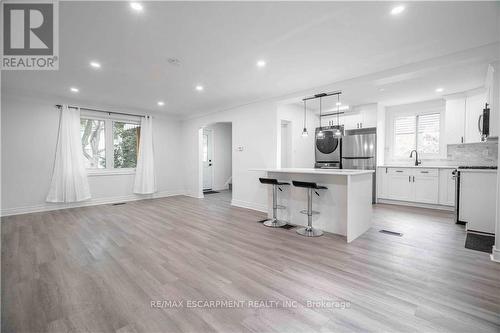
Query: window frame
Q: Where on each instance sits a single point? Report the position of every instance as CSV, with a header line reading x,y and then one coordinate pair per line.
x,y
416,112
109,119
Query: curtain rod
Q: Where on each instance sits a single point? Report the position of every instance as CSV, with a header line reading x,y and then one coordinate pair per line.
x,y
109,112
339,92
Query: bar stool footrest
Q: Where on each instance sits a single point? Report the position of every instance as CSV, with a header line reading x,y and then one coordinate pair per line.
x,y
304,211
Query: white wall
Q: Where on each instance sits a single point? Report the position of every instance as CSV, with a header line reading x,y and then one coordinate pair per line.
x,y
302,147
29,135
253,144
222,154
381,134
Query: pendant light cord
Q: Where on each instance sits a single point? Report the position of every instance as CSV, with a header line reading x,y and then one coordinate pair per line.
x,y
305,114
320,112
338,110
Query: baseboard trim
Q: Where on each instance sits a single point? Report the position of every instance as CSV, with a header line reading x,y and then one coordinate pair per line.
x,y
495,254
249,205
415,204
92,202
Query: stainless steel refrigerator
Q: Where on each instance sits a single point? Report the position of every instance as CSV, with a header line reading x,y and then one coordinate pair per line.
x,y
359,151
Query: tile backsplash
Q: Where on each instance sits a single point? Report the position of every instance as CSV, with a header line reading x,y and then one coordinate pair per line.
x,y
480,153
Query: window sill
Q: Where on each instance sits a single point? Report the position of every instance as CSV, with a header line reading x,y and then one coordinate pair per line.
x,y
110,172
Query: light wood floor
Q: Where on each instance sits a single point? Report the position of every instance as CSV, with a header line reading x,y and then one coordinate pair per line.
x,y
97,269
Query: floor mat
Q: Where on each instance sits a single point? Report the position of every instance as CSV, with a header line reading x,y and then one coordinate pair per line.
x,y
483,243
209,192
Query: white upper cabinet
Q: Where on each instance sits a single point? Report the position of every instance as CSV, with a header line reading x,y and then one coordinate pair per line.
x,y
352,120
455,121
474,106
462,118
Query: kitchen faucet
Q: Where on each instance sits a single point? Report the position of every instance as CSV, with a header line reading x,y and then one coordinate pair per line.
x,y
417,162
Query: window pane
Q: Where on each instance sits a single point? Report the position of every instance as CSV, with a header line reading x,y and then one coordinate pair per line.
x,y
93,142
428,133
126,144
404,136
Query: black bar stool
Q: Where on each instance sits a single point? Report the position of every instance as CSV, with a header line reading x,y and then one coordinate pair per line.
x,y
309,231
274,222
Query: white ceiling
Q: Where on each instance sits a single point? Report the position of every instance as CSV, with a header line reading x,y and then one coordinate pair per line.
x,y
305,45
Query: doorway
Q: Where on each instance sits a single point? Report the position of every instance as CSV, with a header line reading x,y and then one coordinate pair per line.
x,y
286,144
207,151
216,160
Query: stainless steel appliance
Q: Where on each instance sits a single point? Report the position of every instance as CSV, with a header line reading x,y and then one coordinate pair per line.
x,y
359,151
483,123
328,147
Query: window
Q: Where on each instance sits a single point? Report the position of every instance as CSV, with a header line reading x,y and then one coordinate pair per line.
x,y
126,144
109,143
420,132
93,143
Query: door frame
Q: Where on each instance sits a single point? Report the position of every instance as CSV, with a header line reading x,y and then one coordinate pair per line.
x,y
211,147
200,156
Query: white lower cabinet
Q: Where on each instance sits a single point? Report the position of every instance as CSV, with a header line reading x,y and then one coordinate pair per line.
x,y
399,185
418,185
446,187
478,200
426,186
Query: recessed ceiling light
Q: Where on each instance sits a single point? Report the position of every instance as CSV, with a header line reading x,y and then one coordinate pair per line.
x,y
199,88
136,6
397,10
438,90
95,64
73,89
161,103
261,63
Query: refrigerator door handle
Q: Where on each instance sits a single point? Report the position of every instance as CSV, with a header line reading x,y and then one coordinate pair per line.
x,y
358,158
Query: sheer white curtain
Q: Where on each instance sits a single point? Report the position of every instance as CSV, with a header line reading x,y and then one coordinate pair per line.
x,y
69,178
145,182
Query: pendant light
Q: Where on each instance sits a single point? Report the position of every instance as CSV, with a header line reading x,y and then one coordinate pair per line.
x,y
304,131
337,131
321,134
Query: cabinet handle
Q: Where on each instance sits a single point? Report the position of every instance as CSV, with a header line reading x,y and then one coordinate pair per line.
x,y
462,138
360,125
424,171
413,178
409,179
399,170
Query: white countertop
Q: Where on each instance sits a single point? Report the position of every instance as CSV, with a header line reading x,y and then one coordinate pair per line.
x,y
315,171
419,167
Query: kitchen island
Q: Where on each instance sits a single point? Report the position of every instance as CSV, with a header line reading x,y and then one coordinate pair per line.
x,y
345,208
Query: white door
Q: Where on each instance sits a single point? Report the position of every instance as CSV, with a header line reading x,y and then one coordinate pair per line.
x,y
352,120
455,121
286,145
400,187
207,157
473,109
446,187
426,188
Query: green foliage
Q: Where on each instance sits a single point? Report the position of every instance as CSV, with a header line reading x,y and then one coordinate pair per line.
x,y
125,138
